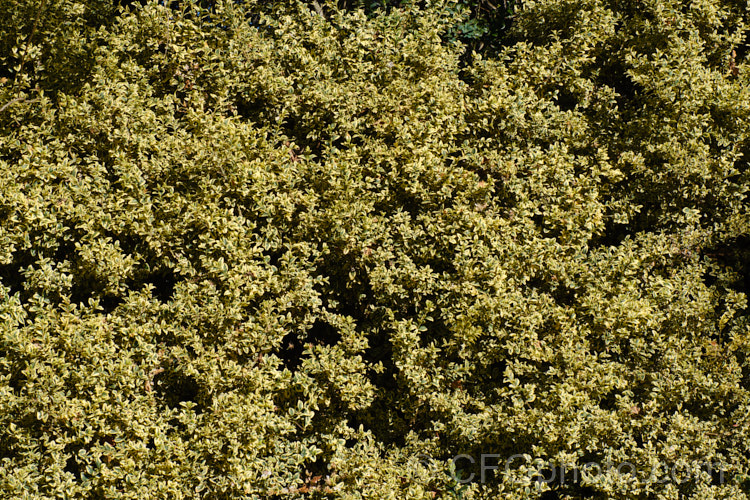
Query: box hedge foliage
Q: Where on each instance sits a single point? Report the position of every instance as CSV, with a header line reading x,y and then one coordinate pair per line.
x,y
290,250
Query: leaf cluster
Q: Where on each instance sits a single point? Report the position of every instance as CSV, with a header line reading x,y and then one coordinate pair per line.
x,y
262,250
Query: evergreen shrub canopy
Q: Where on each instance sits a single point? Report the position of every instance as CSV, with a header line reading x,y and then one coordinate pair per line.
x,y
260,249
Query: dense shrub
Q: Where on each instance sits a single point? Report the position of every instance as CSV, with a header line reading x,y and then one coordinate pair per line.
x,y
263,250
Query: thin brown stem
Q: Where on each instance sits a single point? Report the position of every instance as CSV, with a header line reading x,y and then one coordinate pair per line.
x,y
14,101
